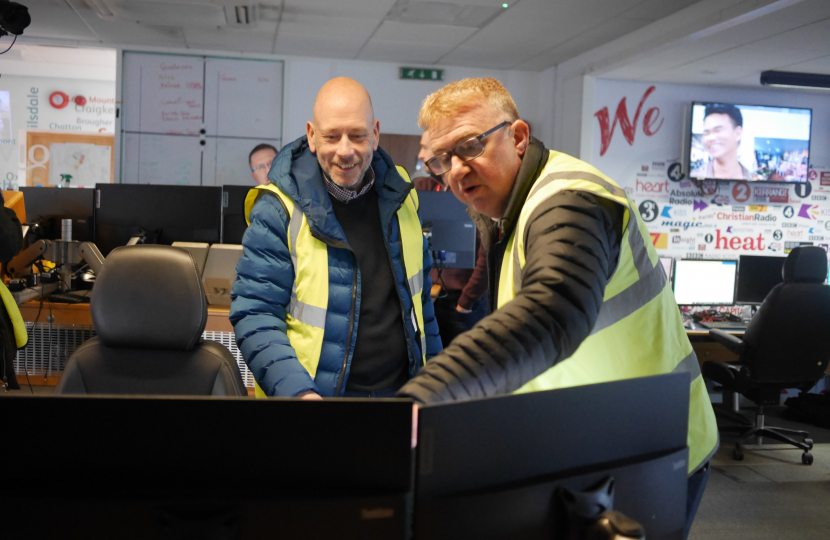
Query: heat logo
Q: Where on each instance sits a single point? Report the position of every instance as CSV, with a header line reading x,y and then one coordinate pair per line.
x,y
746,243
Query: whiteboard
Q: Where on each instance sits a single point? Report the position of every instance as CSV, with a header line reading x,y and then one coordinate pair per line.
x,y
161,159
243,98
85,164
226,161
163,93
193,120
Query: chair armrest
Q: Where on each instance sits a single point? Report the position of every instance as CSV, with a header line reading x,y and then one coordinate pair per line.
x,y
730,341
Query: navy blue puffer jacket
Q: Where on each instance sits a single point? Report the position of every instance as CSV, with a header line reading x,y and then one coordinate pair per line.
x,y
265,277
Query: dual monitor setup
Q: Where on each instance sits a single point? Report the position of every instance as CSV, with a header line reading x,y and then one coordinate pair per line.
x,y
747,280
112,214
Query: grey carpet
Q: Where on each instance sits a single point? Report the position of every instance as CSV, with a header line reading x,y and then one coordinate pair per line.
x,y
768,496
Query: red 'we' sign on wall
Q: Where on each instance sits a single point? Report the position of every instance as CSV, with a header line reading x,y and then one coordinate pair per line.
x,y
627,126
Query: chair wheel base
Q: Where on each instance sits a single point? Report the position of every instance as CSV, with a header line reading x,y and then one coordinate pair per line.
x,y
807,458
738,455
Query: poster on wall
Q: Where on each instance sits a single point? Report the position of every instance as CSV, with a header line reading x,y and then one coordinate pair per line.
x,y
775,201
48,104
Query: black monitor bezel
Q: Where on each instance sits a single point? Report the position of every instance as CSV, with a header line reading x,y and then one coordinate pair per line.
x,y
175,193
738,299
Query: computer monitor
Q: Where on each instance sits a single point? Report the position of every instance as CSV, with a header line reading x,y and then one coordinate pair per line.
x,y
137,467
449,230
233,213
161,214
704,282
632,431
47,206
757,275
668,264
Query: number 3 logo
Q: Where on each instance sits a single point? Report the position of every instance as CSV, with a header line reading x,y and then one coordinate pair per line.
x,y
648,210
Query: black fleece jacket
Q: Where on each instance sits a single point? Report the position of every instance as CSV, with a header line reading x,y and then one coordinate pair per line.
x,y
572,246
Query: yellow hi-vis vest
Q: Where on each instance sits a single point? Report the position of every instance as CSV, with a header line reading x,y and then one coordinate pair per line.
x,y
21,337
639,331
306,313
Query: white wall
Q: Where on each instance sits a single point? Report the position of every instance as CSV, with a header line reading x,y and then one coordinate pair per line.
x,y
397,102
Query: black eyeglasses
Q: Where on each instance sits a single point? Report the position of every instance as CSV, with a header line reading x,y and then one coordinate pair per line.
x,y
466,151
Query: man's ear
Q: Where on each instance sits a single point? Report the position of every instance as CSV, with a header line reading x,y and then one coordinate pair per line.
x,y
376,131
309,131
739,130
521,136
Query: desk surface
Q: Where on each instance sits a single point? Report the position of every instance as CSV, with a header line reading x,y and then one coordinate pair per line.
x,y
217,319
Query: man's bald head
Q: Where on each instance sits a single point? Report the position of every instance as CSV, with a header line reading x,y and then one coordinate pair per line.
x,y
342,92
343,131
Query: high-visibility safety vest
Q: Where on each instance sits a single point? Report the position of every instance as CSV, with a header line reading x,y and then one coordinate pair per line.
x,y
306,313
21,337
639,331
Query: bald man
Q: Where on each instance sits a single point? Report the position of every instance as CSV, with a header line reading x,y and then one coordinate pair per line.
x,y
332,291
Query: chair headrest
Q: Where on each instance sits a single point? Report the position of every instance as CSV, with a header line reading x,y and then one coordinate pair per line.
x,y
149,297
805,264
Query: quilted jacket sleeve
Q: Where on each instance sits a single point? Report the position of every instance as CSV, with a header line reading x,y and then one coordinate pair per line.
x,y
572,246
260,295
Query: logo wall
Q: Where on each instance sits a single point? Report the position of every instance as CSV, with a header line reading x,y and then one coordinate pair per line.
x,y
637,130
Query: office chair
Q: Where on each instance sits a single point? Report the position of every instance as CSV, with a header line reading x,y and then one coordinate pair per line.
x,y
149,310
786,345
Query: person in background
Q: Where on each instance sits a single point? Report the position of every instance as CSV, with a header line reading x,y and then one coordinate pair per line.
x,y
13,334
577,292
460,296
260,160
332,291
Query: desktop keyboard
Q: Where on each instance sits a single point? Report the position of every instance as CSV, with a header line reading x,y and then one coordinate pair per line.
x,y
731,325
69,298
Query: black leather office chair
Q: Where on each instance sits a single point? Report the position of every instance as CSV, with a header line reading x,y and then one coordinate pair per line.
x,y
786,345
149,310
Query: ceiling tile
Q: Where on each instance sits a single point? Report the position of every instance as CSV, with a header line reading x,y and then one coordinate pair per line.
x,y
55,20
259,40
326,37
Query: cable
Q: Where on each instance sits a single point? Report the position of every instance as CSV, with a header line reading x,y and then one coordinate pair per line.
x,y
10,46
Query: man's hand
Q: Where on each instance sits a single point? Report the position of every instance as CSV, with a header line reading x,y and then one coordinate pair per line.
x,y
460,309
311,395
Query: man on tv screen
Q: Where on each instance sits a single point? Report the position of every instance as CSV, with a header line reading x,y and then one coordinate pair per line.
x,y
722,130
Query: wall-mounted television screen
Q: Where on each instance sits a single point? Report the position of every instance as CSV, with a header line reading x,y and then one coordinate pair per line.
x,y
749,142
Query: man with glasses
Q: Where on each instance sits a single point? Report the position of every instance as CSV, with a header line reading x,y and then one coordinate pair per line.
x,y
260,160
332,290
577,294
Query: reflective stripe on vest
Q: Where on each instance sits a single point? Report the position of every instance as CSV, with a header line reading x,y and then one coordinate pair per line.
x,y
307,309
637,301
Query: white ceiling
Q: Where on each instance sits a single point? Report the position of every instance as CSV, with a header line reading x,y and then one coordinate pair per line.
x,y
527,35
731,43
789,36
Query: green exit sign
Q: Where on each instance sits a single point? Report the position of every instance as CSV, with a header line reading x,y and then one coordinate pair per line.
x,y
422,74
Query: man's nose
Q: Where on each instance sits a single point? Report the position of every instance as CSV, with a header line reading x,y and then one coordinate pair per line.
x,y
458,167
345,146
